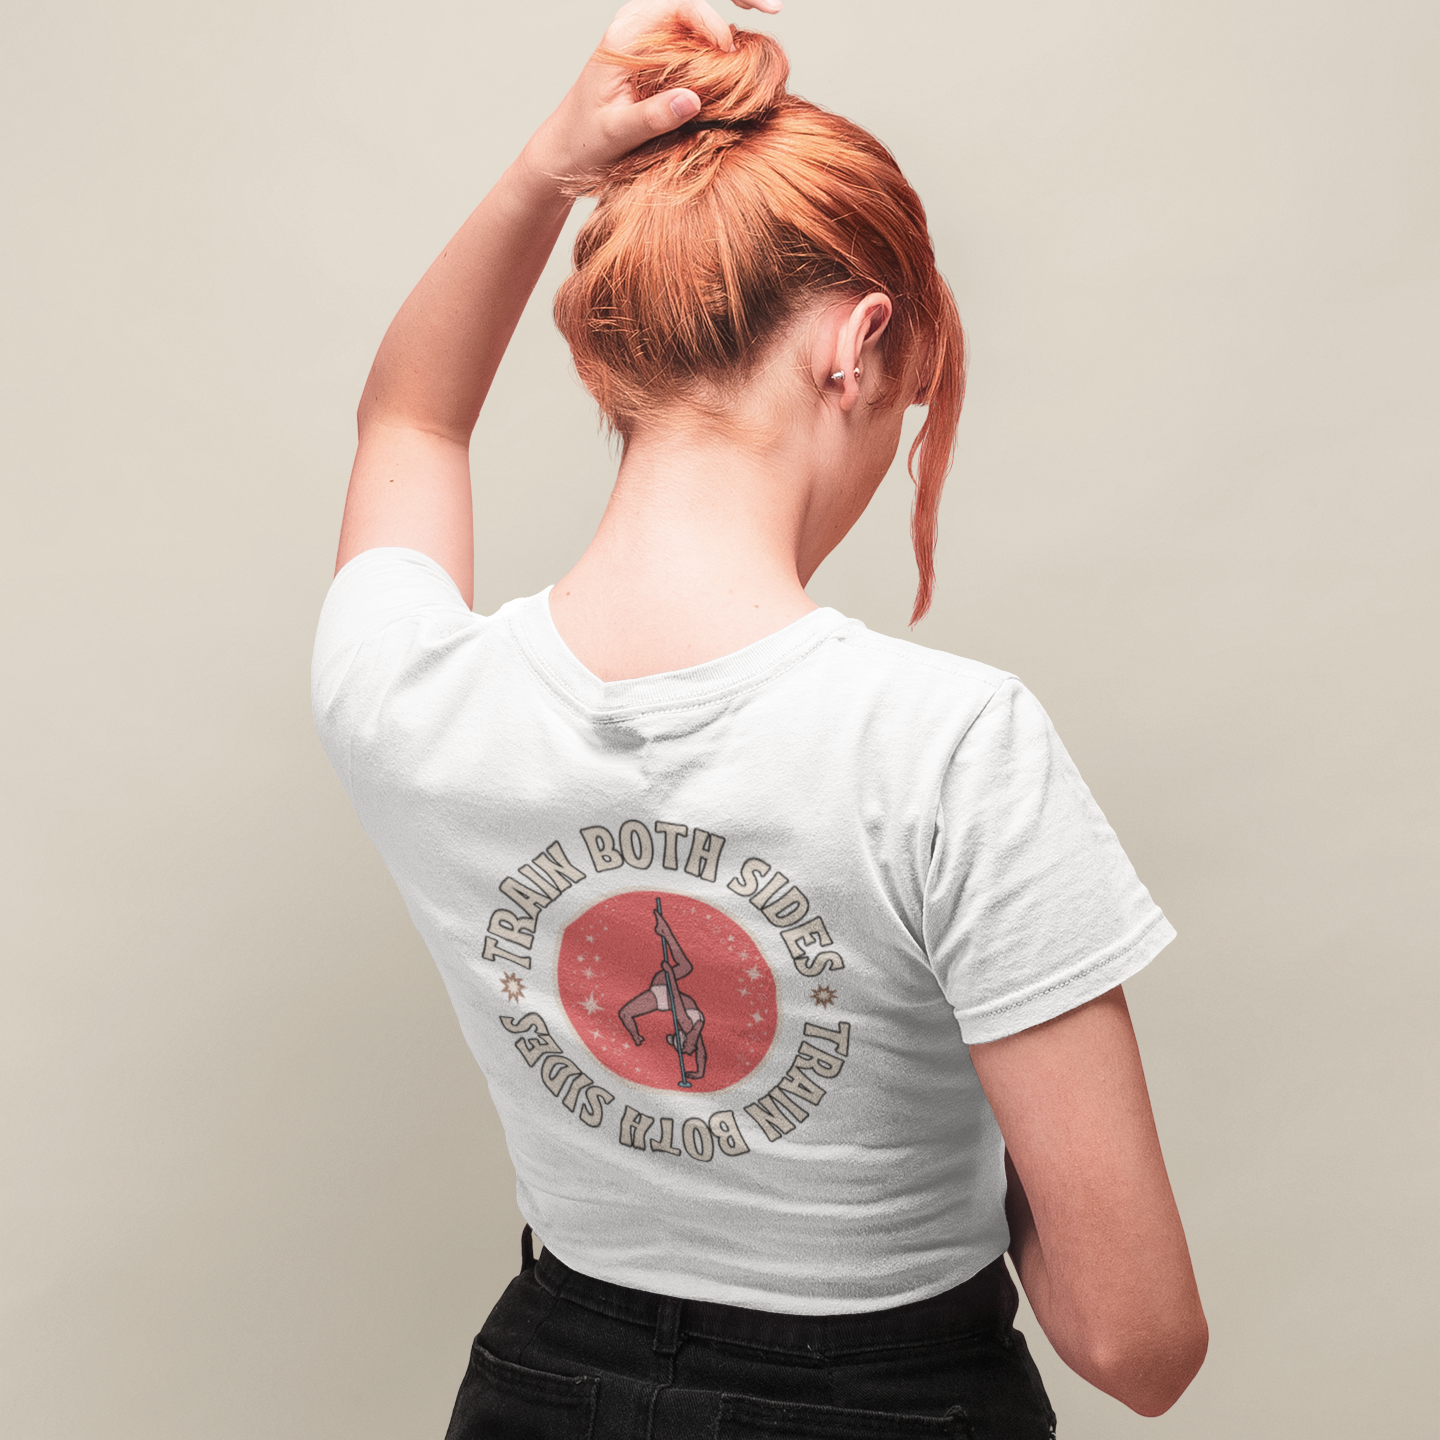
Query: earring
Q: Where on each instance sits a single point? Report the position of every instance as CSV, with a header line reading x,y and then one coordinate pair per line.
x,y
857,372
838,375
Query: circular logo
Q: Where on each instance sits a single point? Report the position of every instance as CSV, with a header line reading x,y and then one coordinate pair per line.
x,y
667,992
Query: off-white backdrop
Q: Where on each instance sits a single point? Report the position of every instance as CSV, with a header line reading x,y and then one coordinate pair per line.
x,y
252,1184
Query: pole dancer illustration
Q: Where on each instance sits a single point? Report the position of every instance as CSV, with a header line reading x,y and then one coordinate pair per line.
x,y
687,1019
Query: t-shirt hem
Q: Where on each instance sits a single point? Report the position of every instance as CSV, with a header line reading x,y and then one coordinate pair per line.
x,y
1055,997
685,1287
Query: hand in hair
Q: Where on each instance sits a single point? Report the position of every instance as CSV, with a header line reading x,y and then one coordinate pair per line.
x,y
600,119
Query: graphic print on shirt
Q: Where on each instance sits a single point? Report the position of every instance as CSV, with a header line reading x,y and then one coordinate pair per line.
x,y
618,965
687,1020
623,960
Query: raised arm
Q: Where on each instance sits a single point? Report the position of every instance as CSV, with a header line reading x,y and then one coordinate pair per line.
x,y
1094,1231
410,484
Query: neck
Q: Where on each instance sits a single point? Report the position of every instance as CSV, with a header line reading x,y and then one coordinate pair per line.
x,y
696,557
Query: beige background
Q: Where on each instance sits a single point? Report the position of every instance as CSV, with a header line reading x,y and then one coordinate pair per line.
x,y
252,1185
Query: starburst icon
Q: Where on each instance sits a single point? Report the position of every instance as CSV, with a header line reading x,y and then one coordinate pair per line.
x,y
513,986
824,996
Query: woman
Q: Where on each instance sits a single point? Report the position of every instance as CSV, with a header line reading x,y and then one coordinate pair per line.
x,y
901,922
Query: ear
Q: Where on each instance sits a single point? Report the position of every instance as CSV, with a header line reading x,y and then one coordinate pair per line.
x,y
857,344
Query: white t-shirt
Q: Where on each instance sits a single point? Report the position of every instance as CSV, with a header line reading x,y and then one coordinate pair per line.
x,y
848,855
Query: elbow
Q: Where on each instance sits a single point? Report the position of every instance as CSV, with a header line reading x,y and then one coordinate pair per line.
x,y
371,409
1150,1370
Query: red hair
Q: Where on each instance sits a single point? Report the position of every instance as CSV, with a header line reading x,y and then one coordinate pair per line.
x,y
708,240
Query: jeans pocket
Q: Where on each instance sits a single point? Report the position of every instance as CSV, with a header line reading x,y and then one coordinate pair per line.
x,y
745,1418
499,1400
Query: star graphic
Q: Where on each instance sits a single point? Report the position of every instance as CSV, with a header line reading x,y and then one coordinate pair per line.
x,y
590,1004
824,996
757,1017
588,972
753,972
513,986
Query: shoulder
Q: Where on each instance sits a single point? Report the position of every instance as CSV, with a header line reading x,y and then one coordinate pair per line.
x,y
380,588
399,606
916,680
919,664
396,638
895,714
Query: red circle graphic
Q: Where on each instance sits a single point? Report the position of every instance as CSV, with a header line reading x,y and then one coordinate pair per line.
x,y
612,977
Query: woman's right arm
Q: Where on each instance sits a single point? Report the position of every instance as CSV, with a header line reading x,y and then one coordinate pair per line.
x,y
410,485
1094,1231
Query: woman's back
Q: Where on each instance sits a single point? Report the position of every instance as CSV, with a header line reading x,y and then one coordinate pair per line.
x,y
853,839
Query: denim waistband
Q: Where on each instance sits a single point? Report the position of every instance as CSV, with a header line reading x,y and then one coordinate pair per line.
x,y
987,1301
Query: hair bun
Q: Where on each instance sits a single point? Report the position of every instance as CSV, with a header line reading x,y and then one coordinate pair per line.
x,y
735,87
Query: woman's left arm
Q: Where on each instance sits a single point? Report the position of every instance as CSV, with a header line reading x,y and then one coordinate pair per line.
x,y
1094,1231
410,485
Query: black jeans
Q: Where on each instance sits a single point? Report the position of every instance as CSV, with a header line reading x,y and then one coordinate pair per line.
x,y
565,1357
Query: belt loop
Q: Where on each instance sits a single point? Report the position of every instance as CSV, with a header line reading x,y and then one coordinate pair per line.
x,y
527,1251
667,1326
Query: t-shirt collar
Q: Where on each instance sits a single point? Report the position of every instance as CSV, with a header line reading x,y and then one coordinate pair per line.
x,y
696,685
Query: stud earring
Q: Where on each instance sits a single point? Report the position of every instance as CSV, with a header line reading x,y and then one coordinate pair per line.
x,y
838,375
857,372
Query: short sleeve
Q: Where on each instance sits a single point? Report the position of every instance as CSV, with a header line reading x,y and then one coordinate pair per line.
x,y
1031,907
376,597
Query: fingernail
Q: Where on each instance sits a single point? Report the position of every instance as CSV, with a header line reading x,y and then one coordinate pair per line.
x,y
685,106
